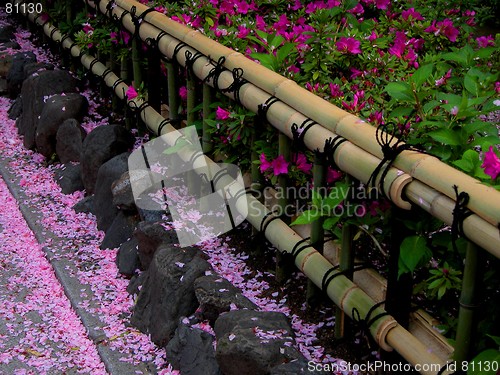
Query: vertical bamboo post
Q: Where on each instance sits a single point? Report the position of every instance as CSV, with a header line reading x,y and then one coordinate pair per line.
x,y
136,68
317,231
44,9
282,271
191,118
154,96
173,91
208,98
399,290
112,66
469,298
102,86
256,177
127,111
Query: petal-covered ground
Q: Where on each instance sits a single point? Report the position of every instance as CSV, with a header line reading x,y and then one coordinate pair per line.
x,y
41,333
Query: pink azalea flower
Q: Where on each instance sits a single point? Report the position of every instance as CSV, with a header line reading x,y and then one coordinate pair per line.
x,y
406,14
302,163
265,165
350,45
183,93
131,93
222,114
243,31
444,27
382,4
332,176
485,41
491,163
384,206
279,165
87,29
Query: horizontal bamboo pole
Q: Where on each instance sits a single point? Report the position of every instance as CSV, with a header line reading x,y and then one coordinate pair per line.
x,y
348,157
484,201
341,290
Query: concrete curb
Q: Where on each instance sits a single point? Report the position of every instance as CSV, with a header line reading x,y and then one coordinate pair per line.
x,y
63,269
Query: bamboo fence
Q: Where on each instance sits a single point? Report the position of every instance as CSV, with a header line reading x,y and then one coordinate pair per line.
x,y
419,178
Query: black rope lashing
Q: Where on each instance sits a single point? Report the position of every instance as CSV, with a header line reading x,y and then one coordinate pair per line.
x,y
190,60
105,73
81,54
63,39
138,20
245,191
109,8
367,322
117,82
125,12
235,86
327,279
298,134
46,22
164,123
219,175
390,152
71,46
92,63
331,145
177,48
460,213
52,32
215,72
264,107
195,156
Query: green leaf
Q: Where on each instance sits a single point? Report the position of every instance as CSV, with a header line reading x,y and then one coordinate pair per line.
x,y
265,59
178,146
412,250
331,222
422,74
495,338
468,162
316,199
475,126
470,84
453,56
446,136
284,51
350,4
478,366
307,217
431,105
400,111
400,91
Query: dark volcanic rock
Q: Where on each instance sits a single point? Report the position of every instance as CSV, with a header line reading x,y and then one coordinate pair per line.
x,y
253,342
104,209
215,295
191,351
151,235
301,365
167,291
13,45
34,89
100,145
120,231
127,257
15,76
56,110
69,178
69,141
15,108
7,33
5,64
86,205
31,68
122,193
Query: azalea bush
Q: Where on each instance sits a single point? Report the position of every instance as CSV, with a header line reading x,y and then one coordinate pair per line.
x,y
413,66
